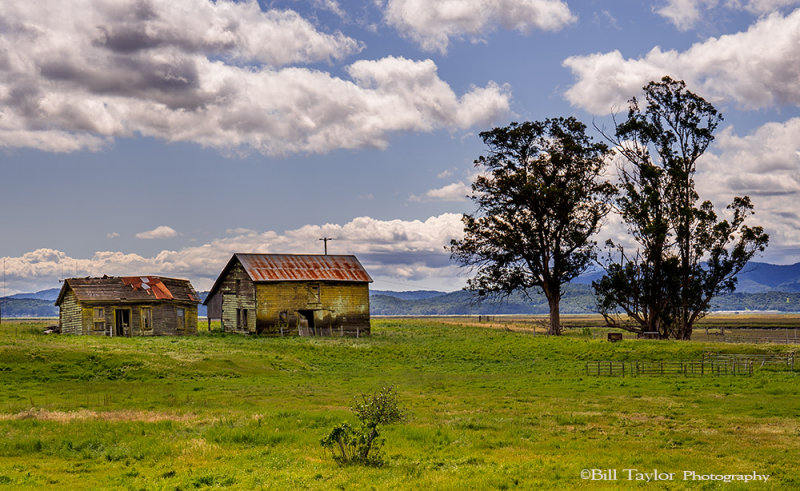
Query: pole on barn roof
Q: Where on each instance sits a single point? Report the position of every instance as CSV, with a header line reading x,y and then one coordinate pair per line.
x,y
325,241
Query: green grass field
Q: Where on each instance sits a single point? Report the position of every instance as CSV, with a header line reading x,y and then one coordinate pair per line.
x,y
489,409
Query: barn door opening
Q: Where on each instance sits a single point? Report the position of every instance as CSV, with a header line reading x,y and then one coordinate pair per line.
x,y
306,324
122,322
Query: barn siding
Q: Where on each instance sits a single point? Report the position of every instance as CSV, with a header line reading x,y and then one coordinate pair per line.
x,y
214,305
79,318
342,308
69,315
165,319
232,300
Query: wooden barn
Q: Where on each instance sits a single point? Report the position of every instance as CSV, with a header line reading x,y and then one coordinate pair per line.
x,y
292,294
128,306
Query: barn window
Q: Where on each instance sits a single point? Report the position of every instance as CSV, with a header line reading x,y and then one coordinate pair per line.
x,y
238,287
181,319
99,319
147,318
314,293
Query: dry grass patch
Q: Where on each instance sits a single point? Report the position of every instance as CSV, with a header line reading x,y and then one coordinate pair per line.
x,y
85,414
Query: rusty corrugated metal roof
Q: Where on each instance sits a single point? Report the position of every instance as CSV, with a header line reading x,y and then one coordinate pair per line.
x,y
151,285
303,267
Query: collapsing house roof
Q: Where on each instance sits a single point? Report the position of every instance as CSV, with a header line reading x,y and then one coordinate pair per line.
x,y
129,289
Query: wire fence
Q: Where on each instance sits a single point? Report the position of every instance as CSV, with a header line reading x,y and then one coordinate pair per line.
x,y
637,368
759,360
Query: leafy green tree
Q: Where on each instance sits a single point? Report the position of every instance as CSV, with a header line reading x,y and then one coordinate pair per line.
x,y
362,445
685,254
540,198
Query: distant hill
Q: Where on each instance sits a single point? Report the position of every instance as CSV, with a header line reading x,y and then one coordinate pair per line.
x,y
27,307
764,277
578,299
202,310
409,295
755,278
761,286
50,294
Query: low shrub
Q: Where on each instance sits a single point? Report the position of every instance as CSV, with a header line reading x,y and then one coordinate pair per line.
x,y
362,445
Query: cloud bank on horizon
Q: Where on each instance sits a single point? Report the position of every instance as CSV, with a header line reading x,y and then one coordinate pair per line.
x,y
403,250
238,78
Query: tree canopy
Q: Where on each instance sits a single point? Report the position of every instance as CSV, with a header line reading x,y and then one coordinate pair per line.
x,y
540,198
684,255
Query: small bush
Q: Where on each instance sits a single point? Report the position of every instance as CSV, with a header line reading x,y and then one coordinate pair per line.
x,y
350,445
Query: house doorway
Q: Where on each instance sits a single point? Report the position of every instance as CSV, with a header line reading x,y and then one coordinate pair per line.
x,y
122,322
306,323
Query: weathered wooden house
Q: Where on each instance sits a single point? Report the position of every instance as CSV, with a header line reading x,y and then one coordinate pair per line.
x,y
292,294
128,306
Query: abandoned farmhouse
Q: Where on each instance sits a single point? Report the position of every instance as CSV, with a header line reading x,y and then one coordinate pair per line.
x,y
292,294
127,306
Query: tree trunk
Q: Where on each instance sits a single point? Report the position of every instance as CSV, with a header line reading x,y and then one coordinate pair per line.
x,y
685,333
555,313
372,434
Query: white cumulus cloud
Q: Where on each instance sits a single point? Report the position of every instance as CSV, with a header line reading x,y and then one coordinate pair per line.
x,y
764,164
77,75
761,6
161,232
433,24
685,14
457,191
405,251
757,68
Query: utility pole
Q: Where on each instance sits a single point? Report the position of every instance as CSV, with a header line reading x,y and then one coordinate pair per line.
x,y
325,241
4,290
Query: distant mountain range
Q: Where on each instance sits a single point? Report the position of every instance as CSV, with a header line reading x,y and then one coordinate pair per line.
x,y
50,294
761,286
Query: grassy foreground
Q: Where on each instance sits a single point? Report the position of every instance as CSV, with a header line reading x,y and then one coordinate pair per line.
x,y
489,409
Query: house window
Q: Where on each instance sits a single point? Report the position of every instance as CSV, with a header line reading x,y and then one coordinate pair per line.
x,y
238,287
241,318
181,319
147,318
99,318
314,293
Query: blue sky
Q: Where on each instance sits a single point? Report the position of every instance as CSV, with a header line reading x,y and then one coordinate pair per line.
x,y
144,137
